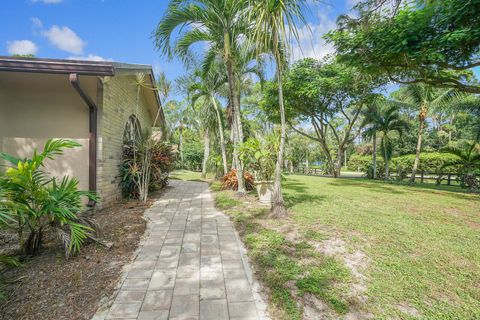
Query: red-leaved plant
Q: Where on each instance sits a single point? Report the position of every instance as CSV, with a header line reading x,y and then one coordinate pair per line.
x,y
229,181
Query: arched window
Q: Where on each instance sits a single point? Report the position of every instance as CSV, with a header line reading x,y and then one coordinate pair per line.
x,y
132,130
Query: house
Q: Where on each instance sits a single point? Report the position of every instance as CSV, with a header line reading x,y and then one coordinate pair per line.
x,y
98,104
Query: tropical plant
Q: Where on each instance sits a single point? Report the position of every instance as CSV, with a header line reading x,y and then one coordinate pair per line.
x,y
230,181
468,163
260,156
147,163
38,202
207,89
422,98
219,24
384,121
273,21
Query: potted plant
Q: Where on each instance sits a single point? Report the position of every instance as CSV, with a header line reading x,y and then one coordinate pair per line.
x,y
259,157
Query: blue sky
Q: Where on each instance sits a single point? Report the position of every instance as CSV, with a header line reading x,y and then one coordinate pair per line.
x,y
118,30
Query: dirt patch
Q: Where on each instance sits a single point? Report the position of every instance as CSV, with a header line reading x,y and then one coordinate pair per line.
x,y
49,287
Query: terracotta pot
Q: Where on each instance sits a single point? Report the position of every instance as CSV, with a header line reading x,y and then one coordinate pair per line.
x,y
264,191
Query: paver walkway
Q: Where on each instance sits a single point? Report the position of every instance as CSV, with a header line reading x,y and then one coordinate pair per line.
x,y
190,266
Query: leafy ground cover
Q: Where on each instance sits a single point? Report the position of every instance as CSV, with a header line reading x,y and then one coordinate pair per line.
x,y
49,287
365,249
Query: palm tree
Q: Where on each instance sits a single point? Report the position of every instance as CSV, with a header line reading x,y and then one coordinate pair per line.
x,y
273,21
207,126
372,117
207,89
468,160
386,121
422,98
219,24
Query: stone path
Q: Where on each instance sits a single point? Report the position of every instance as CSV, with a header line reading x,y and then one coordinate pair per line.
x,y
190,266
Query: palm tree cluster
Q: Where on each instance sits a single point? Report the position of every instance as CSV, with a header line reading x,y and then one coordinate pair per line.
x,y
235,32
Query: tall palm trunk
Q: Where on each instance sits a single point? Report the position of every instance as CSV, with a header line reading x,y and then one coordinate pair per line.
x,y
206,152
422,116
385,158
180,141
236,114
278,207
222,139
374,155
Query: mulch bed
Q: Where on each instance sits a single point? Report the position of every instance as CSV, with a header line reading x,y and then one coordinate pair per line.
x,y
48,286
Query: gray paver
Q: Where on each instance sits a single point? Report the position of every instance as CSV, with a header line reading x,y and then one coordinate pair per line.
x,y
157,300
214,309
185,306
190,265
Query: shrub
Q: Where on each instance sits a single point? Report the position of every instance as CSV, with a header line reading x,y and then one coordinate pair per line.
x,y
364,163
35,202
260,157
230,181
192,156
146,166
430,162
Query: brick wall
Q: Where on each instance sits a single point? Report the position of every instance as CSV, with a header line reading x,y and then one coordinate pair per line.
x,y
117,102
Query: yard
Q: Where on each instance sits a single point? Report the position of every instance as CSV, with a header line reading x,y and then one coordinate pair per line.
x,y
364,248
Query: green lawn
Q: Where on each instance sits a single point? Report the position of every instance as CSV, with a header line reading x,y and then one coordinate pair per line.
x,y
365,247
189,175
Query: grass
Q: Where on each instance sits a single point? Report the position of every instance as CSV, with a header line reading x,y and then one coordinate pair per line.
x,y
189,176
283,263
421,246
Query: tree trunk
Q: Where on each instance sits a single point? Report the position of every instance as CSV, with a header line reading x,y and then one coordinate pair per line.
x,y
422,116
385,157
236,114
387,173
180,142
222,138
337,170
278,207
374,155
206,153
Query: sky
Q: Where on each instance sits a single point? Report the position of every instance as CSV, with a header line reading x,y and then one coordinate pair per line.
x,y
120,30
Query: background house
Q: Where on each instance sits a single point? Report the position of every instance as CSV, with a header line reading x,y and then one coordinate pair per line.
x,y
94,103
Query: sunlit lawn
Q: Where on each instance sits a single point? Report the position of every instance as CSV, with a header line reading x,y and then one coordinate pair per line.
x,y
421,246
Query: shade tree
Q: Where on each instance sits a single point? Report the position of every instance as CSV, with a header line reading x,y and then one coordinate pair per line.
x,y
330,97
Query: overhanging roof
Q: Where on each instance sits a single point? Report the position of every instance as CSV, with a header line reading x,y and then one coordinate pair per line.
x,y
57,66
80,67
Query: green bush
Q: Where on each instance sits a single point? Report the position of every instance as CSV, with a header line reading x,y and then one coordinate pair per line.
x,y
430,162
363,163
192,156
32,203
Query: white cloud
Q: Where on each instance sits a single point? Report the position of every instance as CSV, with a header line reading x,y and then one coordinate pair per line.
x,y
65,39
47,1
37,23
310,42
90,57
21,47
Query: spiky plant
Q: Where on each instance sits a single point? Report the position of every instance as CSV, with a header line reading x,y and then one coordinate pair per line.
x,y
38,202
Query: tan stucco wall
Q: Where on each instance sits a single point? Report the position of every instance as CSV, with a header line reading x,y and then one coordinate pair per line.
x,y
118,104
35,107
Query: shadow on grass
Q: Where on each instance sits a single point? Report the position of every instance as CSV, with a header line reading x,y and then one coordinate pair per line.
x,y
393,188
300,194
